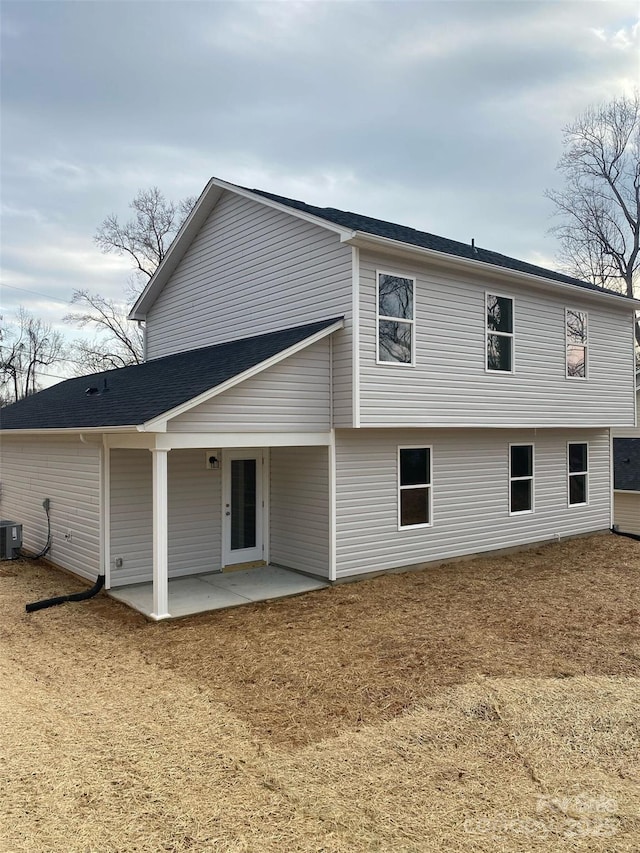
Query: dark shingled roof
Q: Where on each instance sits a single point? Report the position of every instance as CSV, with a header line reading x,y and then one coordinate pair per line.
x,y
380,228
626,464
141,392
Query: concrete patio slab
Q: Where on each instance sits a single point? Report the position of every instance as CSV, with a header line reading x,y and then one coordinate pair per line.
x,y
218,590
263,583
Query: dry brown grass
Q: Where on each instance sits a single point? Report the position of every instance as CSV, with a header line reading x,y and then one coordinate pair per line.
x,y
483,706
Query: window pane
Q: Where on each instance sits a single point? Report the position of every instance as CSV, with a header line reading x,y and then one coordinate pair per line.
x,y
414,466
577,457
499,313
578,489
243,504
395,296
576,327
521,495
522,460
576,361
414,506
498,352
395,342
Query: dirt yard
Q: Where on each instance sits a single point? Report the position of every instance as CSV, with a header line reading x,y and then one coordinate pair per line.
x,y
489,705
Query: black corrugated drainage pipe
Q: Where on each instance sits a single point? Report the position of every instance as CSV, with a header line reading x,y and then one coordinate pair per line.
x,y
60,599
615,530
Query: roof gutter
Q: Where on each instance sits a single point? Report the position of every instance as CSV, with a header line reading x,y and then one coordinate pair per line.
x,y
70,430
364,240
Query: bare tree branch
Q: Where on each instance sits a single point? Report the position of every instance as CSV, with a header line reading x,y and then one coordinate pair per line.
x,y
118,342
147,237
144,239
26,346
599,206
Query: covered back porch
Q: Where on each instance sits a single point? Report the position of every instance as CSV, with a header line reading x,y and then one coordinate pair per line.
x,y
197,522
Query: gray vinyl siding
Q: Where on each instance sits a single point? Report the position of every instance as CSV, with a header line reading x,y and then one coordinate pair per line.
x,y
629,431
299,509
252,269
449,385
626,511
470,494
131,516
293,395
68,473
194,515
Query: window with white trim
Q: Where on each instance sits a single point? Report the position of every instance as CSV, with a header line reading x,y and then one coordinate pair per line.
x,y
395,297
499,322
576,333
414,486
578,472
520,478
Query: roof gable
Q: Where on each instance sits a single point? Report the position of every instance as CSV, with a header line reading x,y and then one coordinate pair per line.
x,y
191,227
348,226
132,396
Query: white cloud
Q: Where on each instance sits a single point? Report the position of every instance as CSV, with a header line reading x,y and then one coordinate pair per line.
x,y
624,38
444,116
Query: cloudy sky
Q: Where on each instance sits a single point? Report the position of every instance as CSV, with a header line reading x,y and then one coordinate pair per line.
x,y
446,116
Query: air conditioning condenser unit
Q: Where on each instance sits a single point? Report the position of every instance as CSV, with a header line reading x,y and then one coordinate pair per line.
x,y
10,540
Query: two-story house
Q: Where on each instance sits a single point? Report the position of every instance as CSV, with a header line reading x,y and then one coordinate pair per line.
x,y
330,393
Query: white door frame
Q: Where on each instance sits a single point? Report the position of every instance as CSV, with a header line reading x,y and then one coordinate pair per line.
x,y
260,552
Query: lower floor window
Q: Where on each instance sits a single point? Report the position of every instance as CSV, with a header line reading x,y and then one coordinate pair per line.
x,y
414,478
520,478
578,465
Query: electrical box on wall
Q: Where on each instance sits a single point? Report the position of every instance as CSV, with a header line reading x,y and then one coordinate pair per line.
x,y
10,540
213,460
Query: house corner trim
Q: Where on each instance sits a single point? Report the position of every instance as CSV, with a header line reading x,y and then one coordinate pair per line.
x,y
355,336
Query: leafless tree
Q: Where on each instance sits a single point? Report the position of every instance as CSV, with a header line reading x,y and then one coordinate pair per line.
x,y
599,206
118,341
26,346
146,237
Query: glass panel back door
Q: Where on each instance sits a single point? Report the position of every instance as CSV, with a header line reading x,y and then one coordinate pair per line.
x,y
243,504
242,507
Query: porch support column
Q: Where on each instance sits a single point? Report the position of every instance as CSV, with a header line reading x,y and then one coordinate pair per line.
x,y
160,535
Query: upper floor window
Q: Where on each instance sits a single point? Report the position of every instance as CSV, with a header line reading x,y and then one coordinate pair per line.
x,y
499,333
414,486
578,471
576,331
396,297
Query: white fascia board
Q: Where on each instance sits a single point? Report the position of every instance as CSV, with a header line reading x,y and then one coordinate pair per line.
x,y
135,440
70,430
375,243
461,425
190,440
159,424
194,222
